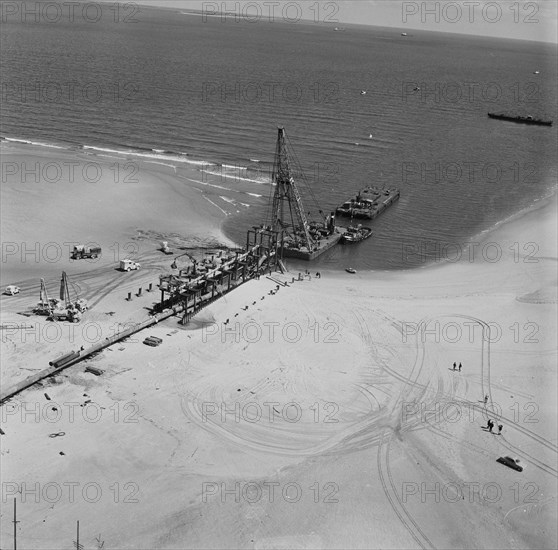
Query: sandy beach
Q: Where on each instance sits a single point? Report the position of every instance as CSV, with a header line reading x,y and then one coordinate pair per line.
x,y
126,205
319,413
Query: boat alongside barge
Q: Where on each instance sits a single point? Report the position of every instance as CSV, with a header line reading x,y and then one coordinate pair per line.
x,y
356,234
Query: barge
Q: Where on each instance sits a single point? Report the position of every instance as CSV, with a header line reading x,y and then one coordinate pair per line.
x,y
300,234
369,203
324,243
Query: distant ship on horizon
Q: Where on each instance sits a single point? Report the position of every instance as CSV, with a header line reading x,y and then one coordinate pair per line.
x,y
521,119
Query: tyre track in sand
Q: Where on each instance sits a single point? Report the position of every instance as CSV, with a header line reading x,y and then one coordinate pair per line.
x,y
295,439
383,439
390,490
487,389
485,378
412,383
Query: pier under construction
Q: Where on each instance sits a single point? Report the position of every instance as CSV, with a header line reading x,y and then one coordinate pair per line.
x,y
200,283
286,233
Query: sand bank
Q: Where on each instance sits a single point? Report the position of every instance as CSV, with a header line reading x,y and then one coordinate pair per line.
x,y
55,198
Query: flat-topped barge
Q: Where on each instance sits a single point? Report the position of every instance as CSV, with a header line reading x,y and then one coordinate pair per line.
x,y
368,203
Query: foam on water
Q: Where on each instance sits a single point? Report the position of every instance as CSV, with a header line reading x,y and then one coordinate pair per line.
x,y
35,143
229,136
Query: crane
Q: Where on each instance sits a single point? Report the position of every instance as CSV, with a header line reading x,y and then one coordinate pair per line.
x,y
61,309
64,290
44,307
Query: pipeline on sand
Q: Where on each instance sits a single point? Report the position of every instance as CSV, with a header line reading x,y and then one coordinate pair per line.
x,y
76,357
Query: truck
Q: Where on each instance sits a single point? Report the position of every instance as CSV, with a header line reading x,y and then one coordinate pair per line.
x,y
129,265
81,251
70,314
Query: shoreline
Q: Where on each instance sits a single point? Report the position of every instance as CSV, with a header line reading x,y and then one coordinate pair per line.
x,y
189,171
352,346
125,206
170,393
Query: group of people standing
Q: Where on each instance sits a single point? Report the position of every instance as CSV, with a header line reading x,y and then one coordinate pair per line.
x,y
490,423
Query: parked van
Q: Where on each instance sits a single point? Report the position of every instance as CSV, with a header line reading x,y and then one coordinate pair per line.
x,y
11,290
129,265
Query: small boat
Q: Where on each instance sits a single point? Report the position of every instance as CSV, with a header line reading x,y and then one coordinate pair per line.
x,y
350,270
363,92
403,34
521,119
355,234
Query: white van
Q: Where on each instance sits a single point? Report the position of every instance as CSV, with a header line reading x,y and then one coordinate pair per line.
x,y
11,290
129,265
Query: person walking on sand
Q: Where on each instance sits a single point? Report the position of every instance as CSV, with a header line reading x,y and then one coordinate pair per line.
x,y
490,426
454,366
486,399
500,426
459,367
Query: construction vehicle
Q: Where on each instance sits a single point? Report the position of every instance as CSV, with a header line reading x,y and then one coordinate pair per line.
x,y
129,265
45,305
81,251
67,310
60,309
81,305
70,314
165,248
